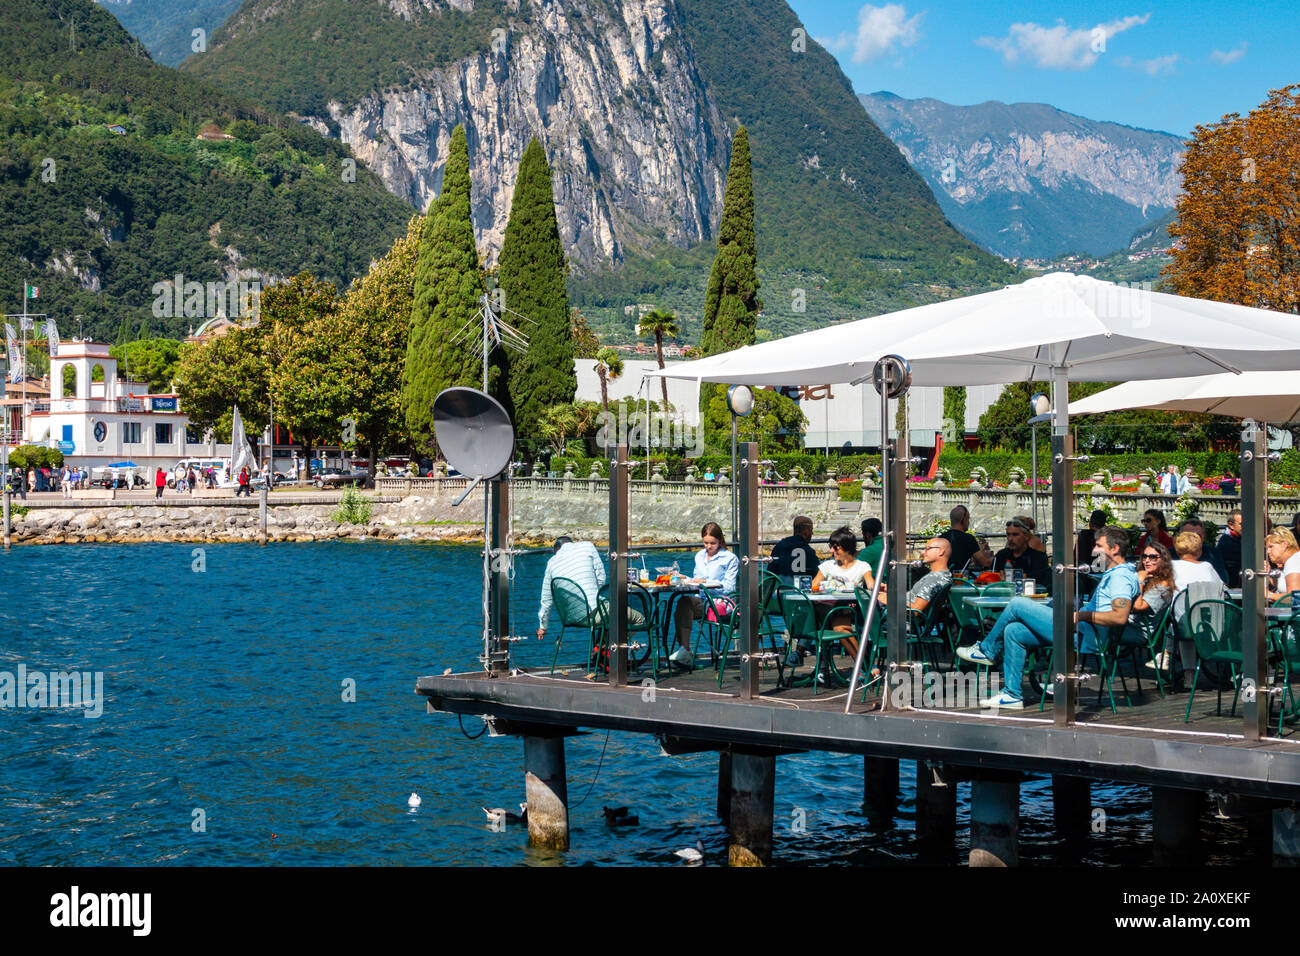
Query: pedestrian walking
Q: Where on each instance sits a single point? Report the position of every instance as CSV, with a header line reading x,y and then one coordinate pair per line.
x,y
244,488
191,479
159,482
65,480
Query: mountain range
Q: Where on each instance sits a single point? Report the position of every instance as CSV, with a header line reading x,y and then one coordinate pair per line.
x,y
1027,180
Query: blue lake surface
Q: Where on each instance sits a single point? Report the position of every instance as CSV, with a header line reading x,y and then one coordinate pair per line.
x,y
224,701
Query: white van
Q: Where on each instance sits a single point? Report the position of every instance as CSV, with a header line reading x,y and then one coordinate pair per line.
x,y
219,467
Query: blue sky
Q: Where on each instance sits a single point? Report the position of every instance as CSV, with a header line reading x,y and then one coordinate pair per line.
x,y
1164,66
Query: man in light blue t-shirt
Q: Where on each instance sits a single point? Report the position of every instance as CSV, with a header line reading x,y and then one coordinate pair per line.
x,y
1026,624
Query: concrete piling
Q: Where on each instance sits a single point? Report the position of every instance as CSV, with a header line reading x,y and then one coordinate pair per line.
x,y
547,793
880,784
936,813
1071,807
6,516
994,821
1286,837
1176,825
724,787
753,794
261,533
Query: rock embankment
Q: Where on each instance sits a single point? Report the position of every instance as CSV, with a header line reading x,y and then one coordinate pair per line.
x,y
140,523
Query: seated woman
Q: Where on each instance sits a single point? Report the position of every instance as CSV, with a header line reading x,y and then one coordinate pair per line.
x,y
841,572
1156,581
1283,553
715,568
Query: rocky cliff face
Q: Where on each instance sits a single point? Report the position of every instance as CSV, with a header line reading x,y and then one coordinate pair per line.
x,y
612,92
1026,179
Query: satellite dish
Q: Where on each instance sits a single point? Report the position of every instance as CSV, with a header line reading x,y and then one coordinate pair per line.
x,y
473,431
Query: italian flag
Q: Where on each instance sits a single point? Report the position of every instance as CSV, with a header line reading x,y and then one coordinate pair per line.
x,y
32,291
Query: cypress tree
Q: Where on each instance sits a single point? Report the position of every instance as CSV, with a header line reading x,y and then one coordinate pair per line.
x,y
448,292
532,274
731,304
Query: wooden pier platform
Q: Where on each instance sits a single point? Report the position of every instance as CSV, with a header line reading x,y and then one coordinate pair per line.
x,y
1146,743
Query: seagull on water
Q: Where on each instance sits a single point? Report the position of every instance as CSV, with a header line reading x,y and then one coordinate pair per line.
x,y
413,801
693,855
499,815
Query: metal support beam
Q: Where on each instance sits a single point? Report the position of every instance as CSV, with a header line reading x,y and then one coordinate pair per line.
x,y
1176,825
1063,655
1254,676
936,813
499,582
747,583
753,795
618,565
547,793
994,822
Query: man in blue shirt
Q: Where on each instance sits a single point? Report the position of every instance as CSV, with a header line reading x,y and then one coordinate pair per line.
x,y
1027,625
793,555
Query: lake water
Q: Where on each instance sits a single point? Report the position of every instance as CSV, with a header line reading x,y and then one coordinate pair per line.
x,y
223,704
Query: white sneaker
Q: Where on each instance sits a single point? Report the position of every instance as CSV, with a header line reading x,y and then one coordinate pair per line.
x,y
681,656
1003,701
1161,662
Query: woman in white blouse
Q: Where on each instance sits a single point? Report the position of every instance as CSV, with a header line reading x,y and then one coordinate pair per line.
x,y
717,569
1283,552
842,572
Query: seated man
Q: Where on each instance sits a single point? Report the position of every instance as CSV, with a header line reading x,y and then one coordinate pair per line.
x,y
1019,556
579,562
965,548
1026,624
935,555
793,555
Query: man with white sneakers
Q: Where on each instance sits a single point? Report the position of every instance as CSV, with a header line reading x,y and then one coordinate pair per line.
x,y
1026,624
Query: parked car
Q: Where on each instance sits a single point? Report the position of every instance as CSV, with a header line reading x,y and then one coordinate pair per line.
x,y
337,478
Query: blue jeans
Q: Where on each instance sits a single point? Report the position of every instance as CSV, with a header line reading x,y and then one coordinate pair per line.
x,y
1024,625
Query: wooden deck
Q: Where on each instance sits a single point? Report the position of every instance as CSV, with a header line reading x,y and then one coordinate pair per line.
x,y
1146,743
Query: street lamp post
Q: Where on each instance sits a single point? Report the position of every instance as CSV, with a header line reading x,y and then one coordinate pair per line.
x,y
740,400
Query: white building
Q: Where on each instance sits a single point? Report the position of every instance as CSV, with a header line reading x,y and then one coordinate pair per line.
x,y
839,416
112,419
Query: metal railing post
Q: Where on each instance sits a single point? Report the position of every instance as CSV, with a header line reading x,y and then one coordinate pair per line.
x,y
499,578
1063,653
747,584
616,624
1254,657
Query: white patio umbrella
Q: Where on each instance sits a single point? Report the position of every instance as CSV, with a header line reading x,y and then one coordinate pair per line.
x,y
1060,325
1263,396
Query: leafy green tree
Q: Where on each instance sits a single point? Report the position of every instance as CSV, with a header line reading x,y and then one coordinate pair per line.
x,y
585,342
214,376
150,360
661,324
532,272
374,319
609,366
775,420
308,359
954,410
448,292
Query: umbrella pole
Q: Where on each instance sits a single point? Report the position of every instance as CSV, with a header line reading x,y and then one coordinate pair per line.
x,y
1063,596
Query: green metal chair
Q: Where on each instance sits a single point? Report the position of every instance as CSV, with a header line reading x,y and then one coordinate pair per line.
x,y
718,627
576,611
801,622
1215,627
1285,641
642,602
876,639
1154,629
928,630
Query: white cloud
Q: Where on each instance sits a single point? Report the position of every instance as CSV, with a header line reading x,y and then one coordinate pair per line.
x,y
1153,67
880,31
1058,47
1232,56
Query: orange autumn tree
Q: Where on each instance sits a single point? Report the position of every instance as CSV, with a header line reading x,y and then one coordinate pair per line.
x,y
1237,235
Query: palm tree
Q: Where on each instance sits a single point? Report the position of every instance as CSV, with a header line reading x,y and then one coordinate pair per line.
x,y
609,366
662,324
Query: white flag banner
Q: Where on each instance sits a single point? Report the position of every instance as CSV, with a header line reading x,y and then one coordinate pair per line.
x,y
15,356
52,334
26,322
241,452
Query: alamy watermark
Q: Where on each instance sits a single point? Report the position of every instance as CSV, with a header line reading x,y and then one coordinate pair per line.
x,y
55,689
660,431
952,690
175,298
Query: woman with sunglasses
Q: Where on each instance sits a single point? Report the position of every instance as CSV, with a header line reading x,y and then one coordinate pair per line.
x,y
1154,528
1156,579
843,571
